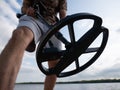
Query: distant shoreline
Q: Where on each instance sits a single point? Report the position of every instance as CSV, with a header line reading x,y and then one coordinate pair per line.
x,y
78,82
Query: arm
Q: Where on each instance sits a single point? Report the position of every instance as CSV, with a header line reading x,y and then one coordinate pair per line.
x,y
27,8
63,9
30,12
62,14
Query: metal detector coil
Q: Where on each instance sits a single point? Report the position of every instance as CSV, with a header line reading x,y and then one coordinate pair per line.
x,y
73,48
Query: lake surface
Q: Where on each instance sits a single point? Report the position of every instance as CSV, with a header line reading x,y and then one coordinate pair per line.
x,y
88,86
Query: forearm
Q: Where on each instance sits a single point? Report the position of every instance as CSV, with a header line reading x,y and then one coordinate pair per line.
x,y
62,14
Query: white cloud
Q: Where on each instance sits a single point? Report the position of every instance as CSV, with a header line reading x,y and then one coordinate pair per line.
x,y
29,72
7,11
8,22
15,4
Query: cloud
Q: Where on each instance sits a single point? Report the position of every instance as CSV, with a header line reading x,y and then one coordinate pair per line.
x,y
14,4
8,22
29,72
8,12
113,71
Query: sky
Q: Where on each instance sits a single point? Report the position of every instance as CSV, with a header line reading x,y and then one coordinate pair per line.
x,y
106,66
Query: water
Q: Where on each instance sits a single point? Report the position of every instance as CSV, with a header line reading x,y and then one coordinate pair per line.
x,y
92,86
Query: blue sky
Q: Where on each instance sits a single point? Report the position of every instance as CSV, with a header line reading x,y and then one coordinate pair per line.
x,y
108,64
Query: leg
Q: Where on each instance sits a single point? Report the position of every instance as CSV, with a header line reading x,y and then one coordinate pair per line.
x,y
11,57
50,80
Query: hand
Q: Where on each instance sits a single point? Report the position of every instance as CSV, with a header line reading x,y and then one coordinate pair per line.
x,y
30,12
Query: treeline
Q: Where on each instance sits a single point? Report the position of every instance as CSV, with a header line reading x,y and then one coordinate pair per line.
x,y
92,81
82,81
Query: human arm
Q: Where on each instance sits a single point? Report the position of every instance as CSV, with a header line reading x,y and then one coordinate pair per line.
x,y
27,8
30,12
63,9
62,14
